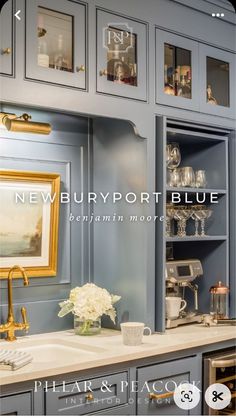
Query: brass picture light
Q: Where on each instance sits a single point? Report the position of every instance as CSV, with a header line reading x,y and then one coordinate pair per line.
x,y
23,123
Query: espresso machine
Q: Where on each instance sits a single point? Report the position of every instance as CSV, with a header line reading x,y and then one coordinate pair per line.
x,y
180,275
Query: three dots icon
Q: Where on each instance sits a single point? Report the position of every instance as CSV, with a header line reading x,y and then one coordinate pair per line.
x,y
217,14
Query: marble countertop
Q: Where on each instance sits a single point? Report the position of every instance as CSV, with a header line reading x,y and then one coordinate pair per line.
x,y
64,352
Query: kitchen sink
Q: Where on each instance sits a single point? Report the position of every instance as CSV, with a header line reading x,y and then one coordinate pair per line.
x,y
56,350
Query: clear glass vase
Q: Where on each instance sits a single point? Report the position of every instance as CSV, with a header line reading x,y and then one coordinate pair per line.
x,y
87,326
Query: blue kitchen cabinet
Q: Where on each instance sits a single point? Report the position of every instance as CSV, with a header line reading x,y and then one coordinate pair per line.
x,y
121,56
217,81
177,74
68,401
56,42
18,404
158,382
6,39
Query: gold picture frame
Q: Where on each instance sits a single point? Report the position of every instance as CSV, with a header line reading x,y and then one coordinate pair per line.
x,y
29,219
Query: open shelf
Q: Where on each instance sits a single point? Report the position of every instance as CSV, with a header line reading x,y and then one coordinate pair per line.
x,y
192,238
194,190
206,150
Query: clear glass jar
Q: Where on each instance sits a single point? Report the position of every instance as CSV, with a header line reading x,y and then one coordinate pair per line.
x,y
87,326
219,294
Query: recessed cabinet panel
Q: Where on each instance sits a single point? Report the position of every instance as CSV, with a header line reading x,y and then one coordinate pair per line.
x,y
157,383
55,51
121,56
217,81
6,39
87,397
176,70
19,404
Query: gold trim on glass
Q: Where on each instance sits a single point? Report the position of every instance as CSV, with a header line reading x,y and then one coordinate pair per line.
x,y
38,177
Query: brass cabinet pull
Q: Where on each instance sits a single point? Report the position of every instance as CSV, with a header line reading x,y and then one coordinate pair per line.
x,y
89,397
6,51
80,68
153,396
102,72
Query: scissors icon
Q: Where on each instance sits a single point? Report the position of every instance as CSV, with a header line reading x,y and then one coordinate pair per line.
x,y
217,396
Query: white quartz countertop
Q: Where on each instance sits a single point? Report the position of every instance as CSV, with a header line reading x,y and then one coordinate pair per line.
x,y
64,352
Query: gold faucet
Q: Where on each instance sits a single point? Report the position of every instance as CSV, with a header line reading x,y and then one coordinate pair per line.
x,y
11,326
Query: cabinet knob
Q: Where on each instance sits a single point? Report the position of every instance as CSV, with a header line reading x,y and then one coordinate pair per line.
x,y
6,51
102,72
89,397
153,396
80,68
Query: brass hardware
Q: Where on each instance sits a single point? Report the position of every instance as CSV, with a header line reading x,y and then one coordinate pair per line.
x,y
153,396
11,326
22,123
80,68
89,397
102,72
6,51
41,32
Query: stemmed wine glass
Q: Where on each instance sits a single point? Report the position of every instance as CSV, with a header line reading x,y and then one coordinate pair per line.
x,y
170,210
194,216
202,215
181,215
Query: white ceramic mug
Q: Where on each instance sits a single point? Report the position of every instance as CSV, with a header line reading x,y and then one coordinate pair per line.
x,y
132,332
173,306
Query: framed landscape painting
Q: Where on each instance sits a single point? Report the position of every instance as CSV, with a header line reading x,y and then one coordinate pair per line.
x,y
29,217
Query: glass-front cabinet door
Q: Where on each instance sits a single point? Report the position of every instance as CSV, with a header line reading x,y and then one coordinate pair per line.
x,y
176,70
6,39
121,56
217,81
55,42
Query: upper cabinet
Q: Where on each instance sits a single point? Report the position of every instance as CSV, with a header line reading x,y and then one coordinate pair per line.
x,y
6,39
56,42
121,56
217,81
196,76
176,71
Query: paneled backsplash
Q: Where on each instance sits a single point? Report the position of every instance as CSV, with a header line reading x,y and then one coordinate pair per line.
x,y
64,151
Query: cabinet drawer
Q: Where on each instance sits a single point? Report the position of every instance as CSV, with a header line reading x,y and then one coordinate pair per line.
x,y
85,397
162,379
19,404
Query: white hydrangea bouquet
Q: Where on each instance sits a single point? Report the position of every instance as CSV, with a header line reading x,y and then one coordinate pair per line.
x,y
88,303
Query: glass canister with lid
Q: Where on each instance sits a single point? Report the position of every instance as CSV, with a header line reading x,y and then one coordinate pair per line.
x,y
219,294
